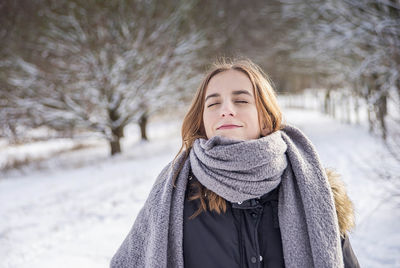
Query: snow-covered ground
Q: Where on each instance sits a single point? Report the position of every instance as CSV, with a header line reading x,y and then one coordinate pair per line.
x,y
78,207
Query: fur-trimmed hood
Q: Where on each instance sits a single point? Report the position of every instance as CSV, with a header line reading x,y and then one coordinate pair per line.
x,y
344,206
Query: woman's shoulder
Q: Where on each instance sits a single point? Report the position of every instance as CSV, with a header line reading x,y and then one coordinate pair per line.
x,y
163,173
344,206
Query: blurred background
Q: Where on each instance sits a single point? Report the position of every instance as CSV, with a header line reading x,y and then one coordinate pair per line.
x,y
93,93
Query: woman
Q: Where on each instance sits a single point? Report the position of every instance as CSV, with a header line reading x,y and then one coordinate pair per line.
x,y
243,191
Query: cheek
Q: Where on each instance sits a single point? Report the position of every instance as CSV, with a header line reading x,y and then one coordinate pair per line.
x,y
210,119
253,117
206,119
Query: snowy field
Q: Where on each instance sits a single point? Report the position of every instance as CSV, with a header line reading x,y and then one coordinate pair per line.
x,y
75,208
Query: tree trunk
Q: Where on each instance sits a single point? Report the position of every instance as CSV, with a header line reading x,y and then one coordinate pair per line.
x,y
357,109
347,105
12,133
382,111
143,125
116,133
370,106
327,102
333,107
115,145
370,122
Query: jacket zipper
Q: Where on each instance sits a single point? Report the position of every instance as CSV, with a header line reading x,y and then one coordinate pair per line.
x,y
239,217
256,239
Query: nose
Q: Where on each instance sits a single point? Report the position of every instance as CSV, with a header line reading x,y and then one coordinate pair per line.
x,y
227,110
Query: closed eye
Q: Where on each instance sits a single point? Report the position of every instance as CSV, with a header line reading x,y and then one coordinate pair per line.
x,y
213,104
239,101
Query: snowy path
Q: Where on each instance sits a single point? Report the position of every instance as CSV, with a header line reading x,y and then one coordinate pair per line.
x,y
78,217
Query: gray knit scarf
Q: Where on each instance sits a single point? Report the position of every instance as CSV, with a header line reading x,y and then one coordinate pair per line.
x,y
239,170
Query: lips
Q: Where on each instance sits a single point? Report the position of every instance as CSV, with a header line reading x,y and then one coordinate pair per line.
x,y
228,126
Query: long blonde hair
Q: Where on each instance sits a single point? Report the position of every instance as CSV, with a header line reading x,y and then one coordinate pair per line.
x,y
269,116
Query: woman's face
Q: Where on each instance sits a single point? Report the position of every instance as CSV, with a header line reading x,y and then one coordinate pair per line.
x,y
230,109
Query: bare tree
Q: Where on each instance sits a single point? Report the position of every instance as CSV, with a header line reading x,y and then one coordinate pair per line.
x,y
101,65
18,27
358,41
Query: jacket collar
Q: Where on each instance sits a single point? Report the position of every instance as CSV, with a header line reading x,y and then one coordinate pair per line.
x,y
259,201
250,203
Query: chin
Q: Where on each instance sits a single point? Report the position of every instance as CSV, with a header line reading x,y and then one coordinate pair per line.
x,y
232,134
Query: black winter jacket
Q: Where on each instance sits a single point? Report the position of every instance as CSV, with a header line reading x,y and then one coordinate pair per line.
x,y
246,235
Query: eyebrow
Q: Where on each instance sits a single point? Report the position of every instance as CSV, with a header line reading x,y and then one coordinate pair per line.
x,y
236,92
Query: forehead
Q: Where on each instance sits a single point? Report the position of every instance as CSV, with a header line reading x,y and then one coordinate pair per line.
x,y
229,81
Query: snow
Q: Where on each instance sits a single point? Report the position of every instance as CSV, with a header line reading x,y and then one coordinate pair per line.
x,y
76,211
